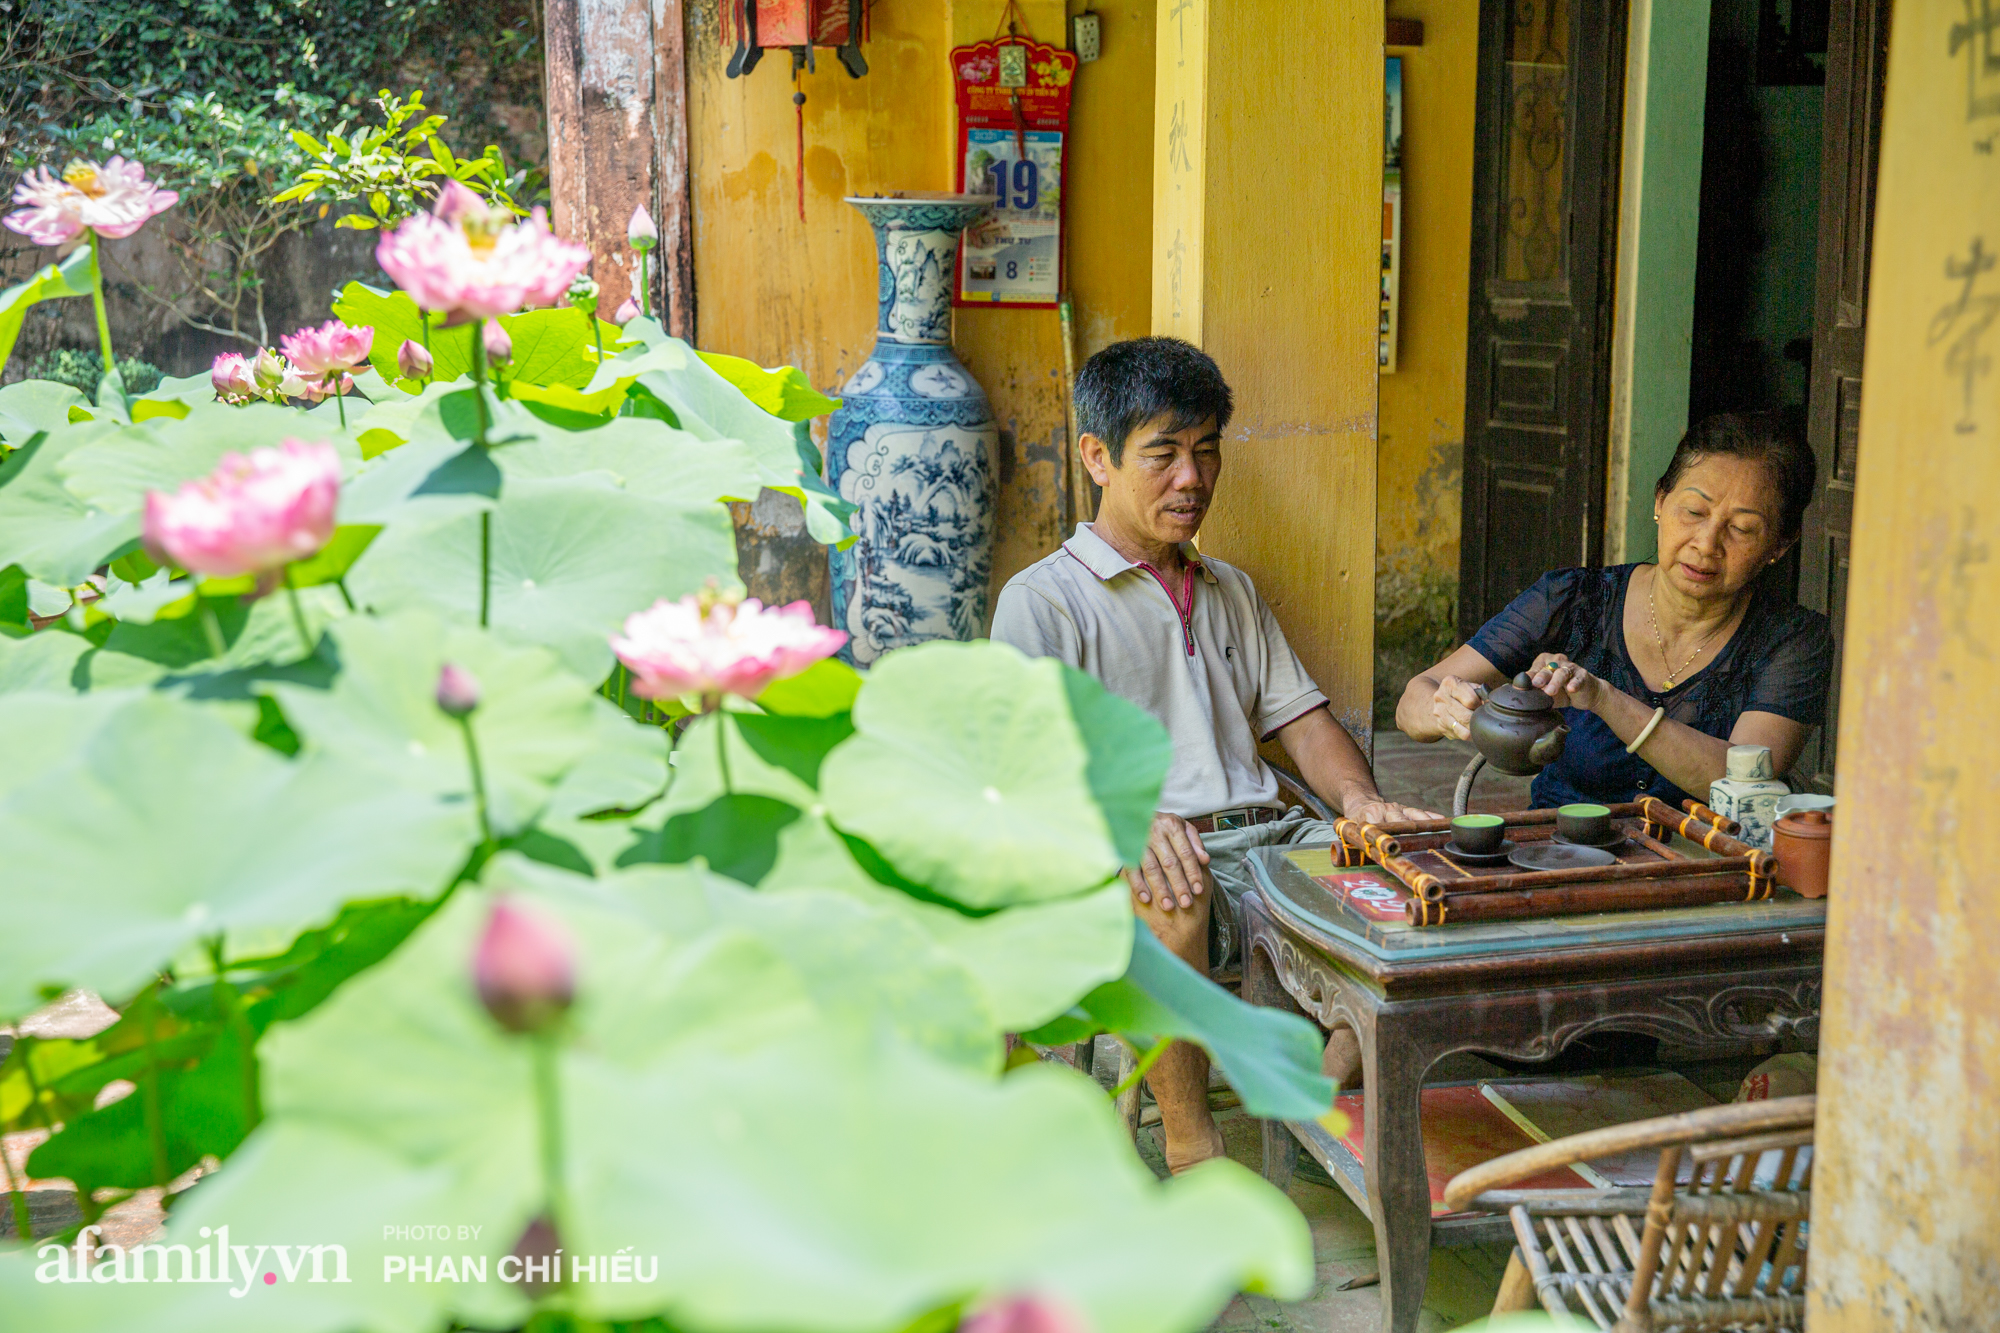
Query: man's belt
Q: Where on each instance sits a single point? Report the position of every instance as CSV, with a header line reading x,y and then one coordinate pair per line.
x,y
1243,816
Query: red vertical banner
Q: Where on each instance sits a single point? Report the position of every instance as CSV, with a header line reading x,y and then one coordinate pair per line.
x,y
1013,130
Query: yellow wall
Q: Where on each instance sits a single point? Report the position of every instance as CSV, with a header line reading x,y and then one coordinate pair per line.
x,y
1908,1139
1266,243
1422,447
776,290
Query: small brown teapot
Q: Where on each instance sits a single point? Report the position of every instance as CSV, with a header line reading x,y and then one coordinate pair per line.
x,y
1518,729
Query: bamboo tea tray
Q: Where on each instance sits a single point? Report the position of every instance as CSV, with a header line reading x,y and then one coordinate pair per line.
x,y
1649,871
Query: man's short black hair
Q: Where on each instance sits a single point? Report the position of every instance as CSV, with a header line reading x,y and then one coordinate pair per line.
x,y
1129,383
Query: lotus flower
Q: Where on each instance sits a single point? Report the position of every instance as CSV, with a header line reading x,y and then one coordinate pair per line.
x,y
251,515
711,646
525,968
1025,1314
113,199
234,378
330,348
475,261
413,360
316,390
640,232
628,310
499,347
457,690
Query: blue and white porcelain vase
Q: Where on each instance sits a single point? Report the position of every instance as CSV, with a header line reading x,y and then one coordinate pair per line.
x,y
914,447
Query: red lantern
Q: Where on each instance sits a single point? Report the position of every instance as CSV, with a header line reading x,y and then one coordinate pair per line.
x,y
798,25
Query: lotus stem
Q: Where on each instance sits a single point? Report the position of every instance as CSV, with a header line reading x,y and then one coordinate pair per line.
x,y
1131,1080
97,300
645,285
345,595
548,1106
210,626
339,400
478,780
299,614
231,1003
479,378
156,1125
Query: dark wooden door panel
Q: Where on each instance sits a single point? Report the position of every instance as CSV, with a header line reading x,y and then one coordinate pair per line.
x,y
1857,58
1551,75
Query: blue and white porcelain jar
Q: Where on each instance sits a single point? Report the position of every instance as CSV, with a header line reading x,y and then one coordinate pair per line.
x,y
914,447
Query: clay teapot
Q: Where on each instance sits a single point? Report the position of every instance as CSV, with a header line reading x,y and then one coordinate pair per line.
x,y
1518,729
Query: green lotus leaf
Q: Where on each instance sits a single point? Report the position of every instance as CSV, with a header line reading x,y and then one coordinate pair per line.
x,y
44,661
254,634
113,472
166,826
74,275
826,687
623,767
29,407
995,779
533,723
1271,1057
571,558
783,391
699,1016
644,457
50,533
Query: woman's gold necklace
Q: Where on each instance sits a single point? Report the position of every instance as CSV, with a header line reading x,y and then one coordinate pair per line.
x,y
1653,614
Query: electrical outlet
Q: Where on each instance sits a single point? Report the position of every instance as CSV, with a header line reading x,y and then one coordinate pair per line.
x,y
1086,37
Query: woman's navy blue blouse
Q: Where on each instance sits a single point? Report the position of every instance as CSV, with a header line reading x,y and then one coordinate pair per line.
x,y
1780,660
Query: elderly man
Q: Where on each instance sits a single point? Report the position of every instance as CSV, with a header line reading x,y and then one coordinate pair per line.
x,y
1188,639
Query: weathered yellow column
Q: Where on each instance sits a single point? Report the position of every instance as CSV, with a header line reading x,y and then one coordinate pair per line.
x,y
1906,1192
1267,233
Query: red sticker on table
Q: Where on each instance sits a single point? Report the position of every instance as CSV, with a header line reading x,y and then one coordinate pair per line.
x,y
1370,893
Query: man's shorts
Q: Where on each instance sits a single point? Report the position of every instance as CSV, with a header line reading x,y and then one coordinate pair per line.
x,y
1229,869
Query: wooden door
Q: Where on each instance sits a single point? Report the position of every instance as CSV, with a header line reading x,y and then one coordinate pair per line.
x,y
1856,56
1545,179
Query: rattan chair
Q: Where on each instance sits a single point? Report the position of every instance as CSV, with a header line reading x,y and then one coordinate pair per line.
x,y
1725,1223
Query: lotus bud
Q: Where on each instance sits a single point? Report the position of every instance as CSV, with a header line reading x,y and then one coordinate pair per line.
x,y
499,347
626,312
413,359
270,370
524,969
641,232
539,1251
583,294
233,377
457,690
1025,1314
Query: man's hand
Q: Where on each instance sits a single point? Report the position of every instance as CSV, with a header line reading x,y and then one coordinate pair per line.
x,y
1378,811
1171,874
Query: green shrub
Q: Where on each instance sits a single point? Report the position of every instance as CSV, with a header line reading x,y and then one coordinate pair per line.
x,y
80,369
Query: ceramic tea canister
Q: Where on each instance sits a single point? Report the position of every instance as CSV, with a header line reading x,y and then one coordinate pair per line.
x,y
1748,792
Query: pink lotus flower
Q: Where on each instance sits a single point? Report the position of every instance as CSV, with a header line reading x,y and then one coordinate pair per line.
x,y
524,969
413,359
234,378
641,233
251,515
711,646
114,200
628,310
499,347
331,347
1025,1314
316,390
475,261
457,690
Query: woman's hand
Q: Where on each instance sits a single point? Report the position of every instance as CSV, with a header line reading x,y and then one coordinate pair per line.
x,y
1566,682
1453,705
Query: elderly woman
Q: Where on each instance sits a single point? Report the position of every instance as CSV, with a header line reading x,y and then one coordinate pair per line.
x,y
1662,667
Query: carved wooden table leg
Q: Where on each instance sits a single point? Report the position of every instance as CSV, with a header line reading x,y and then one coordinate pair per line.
x,y
1399,1191
1261,986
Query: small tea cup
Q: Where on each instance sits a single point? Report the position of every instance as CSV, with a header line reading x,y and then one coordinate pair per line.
x,y
1584,823
1479,834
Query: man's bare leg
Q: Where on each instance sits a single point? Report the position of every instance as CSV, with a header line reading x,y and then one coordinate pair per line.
x,y
1342,1059
1179,1078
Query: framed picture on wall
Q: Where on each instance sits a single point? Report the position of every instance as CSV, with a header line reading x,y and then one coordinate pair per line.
x,y
1392,208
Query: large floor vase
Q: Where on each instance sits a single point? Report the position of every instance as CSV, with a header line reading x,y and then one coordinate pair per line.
x,y
914,447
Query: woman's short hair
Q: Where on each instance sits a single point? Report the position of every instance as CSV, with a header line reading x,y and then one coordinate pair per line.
x,y
1761,437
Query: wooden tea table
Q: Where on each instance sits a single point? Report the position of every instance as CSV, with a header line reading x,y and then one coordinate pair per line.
x,y
1698,976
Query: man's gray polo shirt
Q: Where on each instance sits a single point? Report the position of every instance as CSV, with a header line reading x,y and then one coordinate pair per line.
x,y
1206,658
